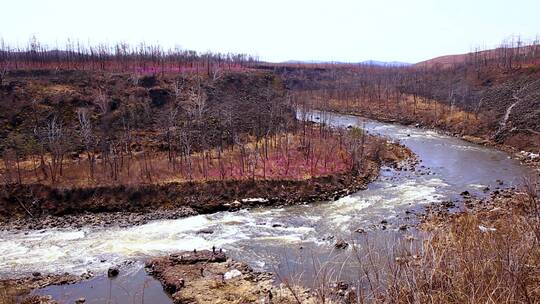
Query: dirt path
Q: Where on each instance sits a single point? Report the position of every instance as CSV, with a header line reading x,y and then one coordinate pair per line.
x,y
504,122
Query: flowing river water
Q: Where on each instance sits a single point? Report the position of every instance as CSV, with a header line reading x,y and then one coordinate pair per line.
x,y
291,241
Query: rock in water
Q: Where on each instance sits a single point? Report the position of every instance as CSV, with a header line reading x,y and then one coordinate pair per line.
x,y
113,272
232,274
360,230
341,244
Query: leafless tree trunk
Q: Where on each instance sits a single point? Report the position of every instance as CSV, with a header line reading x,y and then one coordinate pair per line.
x,y
56,146
87,137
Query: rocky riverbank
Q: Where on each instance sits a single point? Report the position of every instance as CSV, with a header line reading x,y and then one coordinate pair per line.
x,y
208,276
205,276
15,290
499,203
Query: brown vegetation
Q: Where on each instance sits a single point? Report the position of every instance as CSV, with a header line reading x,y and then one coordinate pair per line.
x,y
408,109
36,200
111,124
120,57
306,153
507,53
487,254
497,92
95,141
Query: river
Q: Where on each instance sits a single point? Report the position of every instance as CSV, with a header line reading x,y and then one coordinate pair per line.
x,y
292,241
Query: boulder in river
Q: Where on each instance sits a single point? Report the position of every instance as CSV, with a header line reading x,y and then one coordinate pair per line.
x,y
360,230
113,272
205,231
341,244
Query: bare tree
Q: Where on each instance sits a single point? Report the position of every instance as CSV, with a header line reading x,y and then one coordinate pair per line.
x,y
3,73
355,142
186,142
102,101
177,87
54,137
198,99
87,137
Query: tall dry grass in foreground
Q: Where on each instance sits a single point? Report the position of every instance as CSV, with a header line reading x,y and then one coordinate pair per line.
x,y
487,255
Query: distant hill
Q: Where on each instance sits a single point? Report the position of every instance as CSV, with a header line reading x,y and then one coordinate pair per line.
x,y
386,63
444,61
367,62
449,60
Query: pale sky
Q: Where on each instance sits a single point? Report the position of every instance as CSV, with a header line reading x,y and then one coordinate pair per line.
x,y
279,30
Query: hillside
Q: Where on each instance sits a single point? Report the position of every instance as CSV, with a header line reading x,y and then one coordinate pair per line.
x,y
115,102
491,94
448,61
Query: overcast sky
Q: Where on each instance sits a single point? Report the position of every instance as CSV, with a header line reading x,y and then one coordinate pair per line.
x,y
279,30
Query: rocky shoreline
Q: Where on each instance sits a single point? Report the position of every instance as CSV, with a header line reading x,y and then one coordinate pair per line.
x,y
14,290
188,277
208,276
498,203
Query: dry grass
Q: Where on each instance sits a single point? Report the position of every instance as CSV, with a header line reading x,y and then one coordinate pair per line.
x,y
9,293
489,255
405,109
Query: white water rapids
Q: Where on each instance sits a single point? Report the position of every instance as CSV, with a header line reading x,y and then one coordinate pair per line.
x,y
259,236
